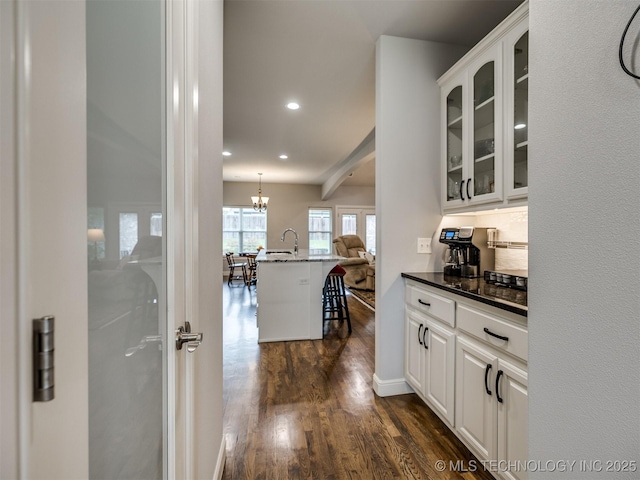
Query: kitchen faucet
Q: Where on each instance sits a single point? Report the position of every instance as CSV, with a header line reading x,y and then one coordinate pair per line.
x,y
295,243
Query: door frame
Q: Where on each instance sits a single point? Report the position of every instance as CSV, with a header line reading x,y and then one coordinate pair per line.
x,y
361,211
9,390
182,254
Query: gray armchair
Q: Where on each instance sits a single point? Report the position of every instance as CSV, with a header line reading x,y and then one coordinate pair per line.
x,y
350,246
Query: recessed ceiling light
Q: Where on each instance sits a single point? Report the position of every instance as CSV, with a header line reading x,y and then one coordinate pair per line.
x,y
293,106
226,153
284,157
520,126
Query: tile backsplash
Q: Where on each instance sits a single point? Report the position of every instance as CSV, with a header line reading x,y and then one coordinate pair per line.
x,y
512,226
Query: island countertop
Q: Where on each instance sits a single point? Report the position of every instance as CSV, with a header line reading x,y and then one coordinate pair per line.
x,y
302,256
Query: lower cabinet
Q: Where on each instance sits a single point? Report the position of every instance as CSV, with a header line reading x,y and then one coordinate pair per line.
x,y
476,406
491,407
512,419
429,362
472,372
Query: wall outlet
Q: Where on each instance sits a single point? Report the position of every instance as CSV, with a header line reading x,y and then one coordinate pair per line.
x,y
424,245
304,281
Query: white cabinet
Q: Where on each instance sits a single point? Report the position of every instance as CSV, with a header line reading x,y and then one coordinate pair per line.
x,y
439,368
471,371
491,387
491,407
511,386
414,351
516,111
476,408
484,97
430,359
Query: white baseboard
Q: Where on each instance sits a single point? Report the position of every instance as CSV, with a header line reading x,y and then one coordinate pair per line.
x,y
388,388
217,475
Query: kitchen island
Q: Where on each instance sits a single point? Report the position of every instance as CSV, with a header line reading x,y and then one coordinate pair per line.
x,y
289,292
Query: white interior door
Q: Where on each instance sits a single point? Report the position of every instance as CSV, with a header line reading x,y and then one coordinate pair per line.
x,y
93,129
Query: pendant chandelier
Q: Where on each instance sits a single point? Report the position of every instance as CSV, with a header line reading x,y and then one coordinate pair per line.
x,y
260,202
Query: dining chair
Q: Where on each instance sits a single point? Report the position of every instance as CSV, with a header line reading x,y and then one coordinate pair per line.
x,y
233,264
252,270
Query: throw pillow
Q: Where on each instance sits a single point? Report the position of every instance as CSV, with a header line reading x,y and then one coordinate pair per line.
x,y
370,258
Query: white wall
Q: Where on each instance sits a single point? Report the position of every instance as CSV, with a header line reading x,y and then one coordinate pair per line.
x,y
289,205
407,183
584,325
209,408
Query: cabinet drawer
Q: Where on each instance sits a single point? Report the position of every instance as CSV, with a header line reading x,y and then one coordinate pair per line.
x,y
490,328
434,305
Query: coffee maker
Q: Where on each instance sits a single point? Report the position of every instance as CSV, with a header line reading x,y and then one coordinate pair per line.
x,y
468,255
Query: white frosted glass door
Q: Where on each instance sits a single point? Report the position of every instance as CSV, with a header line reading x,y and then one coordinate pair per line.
x,y
127,343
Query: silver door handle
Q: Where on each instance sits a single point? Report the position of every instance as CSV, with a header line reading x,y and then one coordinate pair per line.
x,y
184,335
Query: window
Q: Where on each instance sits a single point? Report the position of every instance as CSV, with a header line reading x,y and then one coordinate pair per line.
x,y
349,224
155,224
128,233
319,231
96,220
370,233
243,229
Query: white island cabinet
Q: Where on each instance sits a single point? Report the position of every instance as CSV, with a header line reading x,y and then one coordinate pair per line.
x,y
289,290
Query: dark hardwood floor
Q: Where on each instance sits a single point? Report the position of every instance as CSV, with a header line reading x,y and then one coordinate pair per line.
x,y
307,410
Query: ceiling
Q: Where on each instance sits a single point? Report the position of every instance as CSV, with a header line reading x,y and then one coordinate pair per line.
x,y
321,54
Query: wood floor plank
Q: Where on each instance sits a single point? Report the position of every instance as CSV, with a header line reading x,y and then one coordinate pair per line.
x,y
307,410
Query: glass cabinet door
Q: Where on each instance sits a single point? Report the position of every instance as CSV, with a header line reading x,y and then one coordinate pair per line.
x,y
454,144
520,112
484,136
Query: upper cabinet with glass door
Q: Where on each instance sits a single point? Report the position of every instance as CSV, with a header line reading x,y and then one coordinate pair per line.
x,y
484,164
453,142
516,115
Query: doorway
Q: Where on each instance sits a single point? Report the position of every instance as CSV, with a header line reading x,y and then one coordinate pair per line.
x,y
359,221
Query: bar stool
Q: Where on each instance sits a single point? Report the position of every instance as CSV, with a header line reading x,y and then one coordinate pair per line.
x,y
334,297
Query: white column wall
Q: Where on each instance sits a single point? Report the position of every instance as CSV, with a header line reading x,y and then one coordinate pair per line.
x,y
584,294
209,438
407,183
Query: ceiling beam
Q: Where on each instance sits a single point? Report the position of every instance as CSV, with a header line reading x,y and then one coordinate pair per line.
x,y
361,154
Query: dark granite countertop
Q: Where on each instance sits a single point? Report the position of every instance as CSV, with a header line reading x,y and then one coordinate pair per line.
x,y
477,289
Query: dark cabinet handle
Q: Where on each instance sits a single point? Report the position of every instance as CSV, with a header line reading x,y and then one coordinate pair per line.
x,y
468,182
486,376
486,330
419,330
424,340
424,303
461,186
500,373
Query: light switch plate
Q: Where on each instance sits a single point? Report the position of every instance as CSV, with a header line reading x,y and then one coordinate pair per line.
x,y
424,245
